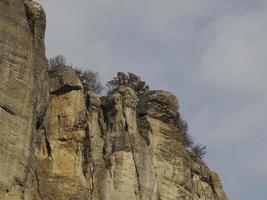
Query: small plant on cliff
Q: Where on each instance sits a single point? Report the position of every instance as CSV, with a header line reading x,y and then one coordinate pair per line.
x,y
55,62
90,80
130,80
198,150
186,137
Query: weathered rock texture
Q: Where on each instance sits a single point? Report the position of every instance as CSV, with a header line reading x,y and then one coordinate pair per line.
x,y
23,91
58,143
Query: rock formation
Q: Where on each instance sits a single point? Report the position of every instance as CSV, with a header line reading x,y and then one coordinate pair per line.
x,y
23,91
60,143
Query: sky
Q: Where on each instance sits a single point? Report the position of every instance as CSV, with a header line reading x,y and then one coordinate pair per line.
x,y
212,54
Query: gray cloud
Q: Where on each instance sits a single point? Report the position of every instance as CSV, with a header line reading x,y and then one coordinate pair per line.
x,y
236,56
210,53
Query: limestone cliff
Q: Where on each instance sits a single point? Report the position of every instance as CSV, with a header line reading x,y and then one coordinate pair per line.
x,y
23,91
58,143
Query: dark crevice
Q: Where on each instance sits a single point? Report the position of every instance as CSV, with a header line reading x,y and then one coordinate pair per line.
x,y
7,109
205,179
39,122
86,152
158,197
141,114
101,123
47,144
58,126
40,118
144,128
65,89
104,133
64,139
19,182
87,164
126,127
48,147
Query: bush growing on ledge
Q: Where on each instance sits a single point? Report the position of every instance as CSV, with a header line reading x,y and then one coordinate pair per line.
x,y
53,63
198,150
186,137
130,80
90,80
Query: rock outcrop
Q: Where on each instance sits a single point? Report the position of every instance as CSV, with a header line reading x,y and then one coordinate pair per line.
x,y
60,143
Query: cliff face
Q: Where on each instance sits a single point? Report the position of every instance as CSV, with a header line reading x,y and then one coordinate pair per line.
x,y
23,91
59,143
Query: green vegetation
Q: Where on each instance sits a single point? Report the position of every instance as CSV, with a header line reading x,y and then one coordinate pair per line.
x,y
198,150
89,79
130,80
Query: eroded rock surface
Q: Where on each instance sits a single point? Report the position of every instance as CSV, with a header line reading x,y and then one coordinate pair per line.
x,y
59,143
23,91
121,146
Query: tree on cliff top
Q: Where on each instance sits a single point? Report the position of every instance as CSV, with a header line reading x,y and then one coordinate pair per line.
x,y
130,80
90,80
55,62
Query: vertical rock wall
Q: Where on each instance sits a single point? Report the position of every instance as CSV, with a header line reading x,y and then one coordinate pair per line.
x,y
23,91
59,172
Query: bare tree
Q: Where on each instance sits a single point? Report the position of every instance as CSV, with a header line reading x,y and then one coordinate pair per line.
x,y
186,137
90,80
130,79
198,150
53,63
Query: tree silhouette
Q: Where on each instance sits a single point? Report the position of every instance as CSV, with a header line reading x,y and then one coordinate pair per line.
x,y
53,63
198,150
130,80
90,80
